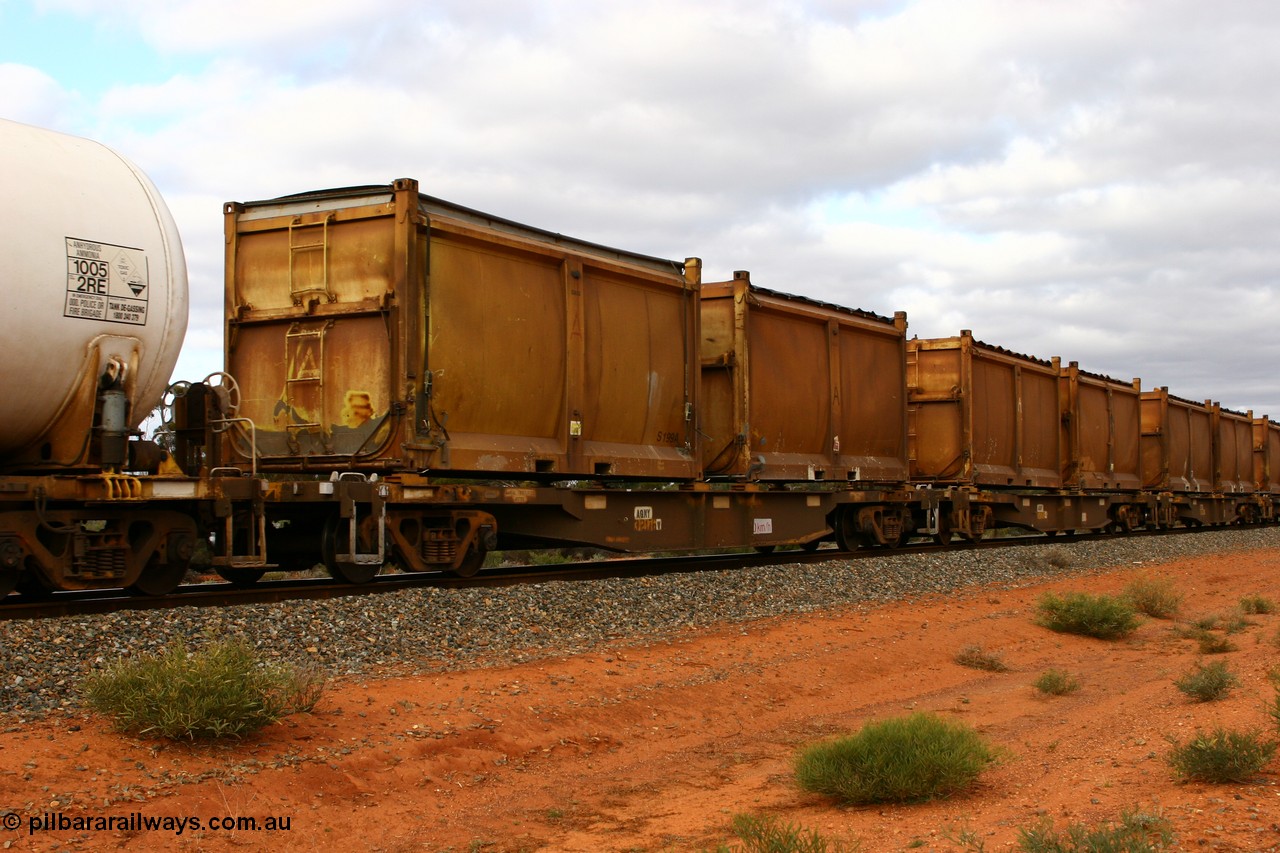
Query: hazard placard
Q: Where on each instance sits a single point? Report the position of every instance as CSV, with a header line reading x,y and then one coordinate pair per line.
x,y
106,282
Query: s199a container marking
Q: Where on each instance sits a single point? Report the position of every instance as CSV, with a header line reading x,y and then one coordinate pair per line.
x,y
644,520
106,282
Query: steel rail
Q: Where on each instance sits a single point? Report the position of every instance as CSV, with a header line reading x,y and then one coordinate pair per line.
x,y
223,594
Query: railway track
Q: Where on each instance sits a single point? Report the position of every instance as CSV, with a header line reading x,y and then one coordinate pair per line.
x,y
222,594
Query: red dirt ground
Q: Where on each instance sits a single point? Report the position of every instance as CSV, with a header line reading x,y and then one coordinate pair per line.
x,y
656,747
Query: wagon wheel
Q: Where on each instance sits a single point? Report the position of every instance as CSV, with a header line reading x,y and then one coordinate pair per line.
x,y
848,537
8,580
239,577
32,584
471,562
160,578
766,549
334,540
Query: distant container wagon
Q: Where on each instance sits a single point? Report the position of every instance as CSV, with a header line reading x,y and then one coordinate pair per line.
x,y
794,389
983,416
1200,460
1266,455
1233,472
1102,418
1022,442
379,329
1177,443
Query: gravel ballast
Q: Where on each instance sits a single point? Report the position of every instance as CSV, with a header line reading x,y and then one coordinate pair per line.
x,y
44,661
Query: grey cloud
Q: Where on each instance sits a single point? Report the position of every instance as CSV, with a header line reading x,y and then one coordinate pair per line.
x,y
1091,180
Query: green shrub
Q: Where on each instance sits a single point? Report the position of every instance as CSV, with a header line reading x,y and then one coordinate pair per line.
x,y
1257,605
1155,597
905,759
978,658
1232,623
1136,833
1103,616
1273,709
1213,644
1207,623
1056,557
768,834
1206,683
1222,756
1236,623
226,690
1056,683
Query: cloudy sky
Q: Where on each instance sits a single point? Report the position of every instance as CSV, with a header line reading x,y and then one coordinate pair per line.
x,y
1095,179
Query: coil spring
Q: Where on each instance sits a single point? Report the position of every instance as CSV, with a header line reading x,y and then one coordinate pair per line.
x,y
440,546
100,563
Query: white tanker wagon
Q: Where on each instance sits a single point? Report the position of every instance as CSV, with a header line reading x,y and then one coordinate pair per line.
x,y
96,289
95,283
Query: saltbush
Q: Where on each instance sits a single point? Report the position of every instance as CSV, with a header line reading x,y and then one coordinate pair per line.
x,y
977,657
903,759
1056,682
769,834
1136,833
1155,597
1207,682
1224,755
1257,605
1103,616
1213,644
224,690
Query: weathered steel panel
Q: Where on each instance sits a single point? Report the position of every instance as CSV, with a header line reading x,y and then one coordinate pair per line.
x,y
1233,471
1103,424
1177,443
1266,455
871,429
794,389
376,328
981,415
497,351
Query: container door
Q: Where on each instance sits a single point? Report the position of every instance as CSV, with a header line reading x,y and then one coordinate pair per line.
x,y
312,314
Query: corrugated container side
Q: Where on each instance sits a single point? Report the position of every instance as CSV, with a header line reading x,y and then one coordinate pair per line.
x,y
794,389
1103,425
982,415
1266,455
1234,468
1177,443
377,329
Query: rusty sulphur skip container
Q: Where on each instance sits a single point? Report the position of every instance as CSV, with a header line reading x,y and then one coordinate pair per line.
x,y
1198,447
983,416
794,389
1266,455
1103,425
376,328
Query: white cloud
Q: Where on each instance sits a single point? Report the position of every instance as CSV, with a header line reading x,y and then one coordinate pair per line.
x,y
31,96
1094,180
